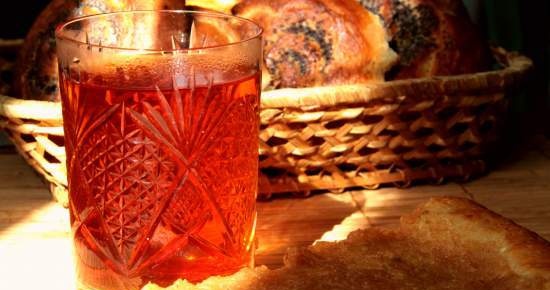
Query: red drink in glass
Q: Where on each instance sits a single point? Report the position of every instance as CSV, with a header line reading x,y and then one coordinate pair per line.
x,y
162,169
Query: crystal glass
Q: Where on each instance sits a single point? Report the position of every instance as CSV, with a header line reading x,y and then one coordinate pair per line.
x,y
160,113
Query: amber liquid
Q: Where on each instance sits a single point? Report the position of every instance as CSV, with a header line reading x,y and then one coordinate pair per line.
x,y
162,182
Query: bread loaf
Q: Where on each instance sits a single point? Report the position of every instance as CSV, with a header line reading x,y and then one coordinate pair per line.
x,y
432,37
36,68
307,42
320,42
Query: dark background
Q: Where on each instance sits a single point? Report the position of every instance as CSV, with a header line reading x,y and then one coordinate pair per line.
x,y
521,25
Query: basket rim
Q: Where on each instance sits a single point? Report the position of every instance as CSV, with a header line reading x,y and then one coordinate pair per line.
x,y
515,68
16,108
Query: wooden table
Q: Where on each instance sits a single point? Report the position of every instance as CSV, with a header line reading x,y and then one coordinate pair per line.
x,y
35,248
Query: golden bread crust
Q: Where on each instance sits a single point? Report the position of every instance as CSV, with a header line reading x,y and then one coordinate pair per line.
x,y
524,253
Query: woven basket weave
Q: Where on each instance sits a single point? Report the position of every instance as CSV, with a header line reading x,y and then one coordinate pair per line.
x,y
334,137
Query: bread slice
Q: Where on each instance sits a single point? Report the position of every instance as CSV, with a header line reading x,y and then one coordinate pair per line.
x,y
446,243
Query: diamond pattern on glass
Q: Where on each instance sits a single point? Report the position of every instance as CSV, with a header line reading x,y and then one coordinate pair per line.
x,y
163,180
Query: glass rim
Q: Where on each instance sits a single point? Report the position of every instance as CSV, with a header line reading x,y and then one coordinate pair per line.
x,y
62,26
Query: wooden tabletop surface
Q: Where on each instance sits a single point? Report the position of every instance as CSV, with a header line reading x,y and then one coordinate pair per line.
x,y
35,247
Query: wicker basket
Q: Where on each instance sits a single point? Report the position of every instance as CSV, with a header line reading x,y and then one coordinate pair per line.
x,y
334,137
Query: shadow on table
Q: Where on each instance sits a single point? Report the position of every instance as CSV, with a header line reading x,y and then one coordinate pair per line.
x,y
287,221
517,146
